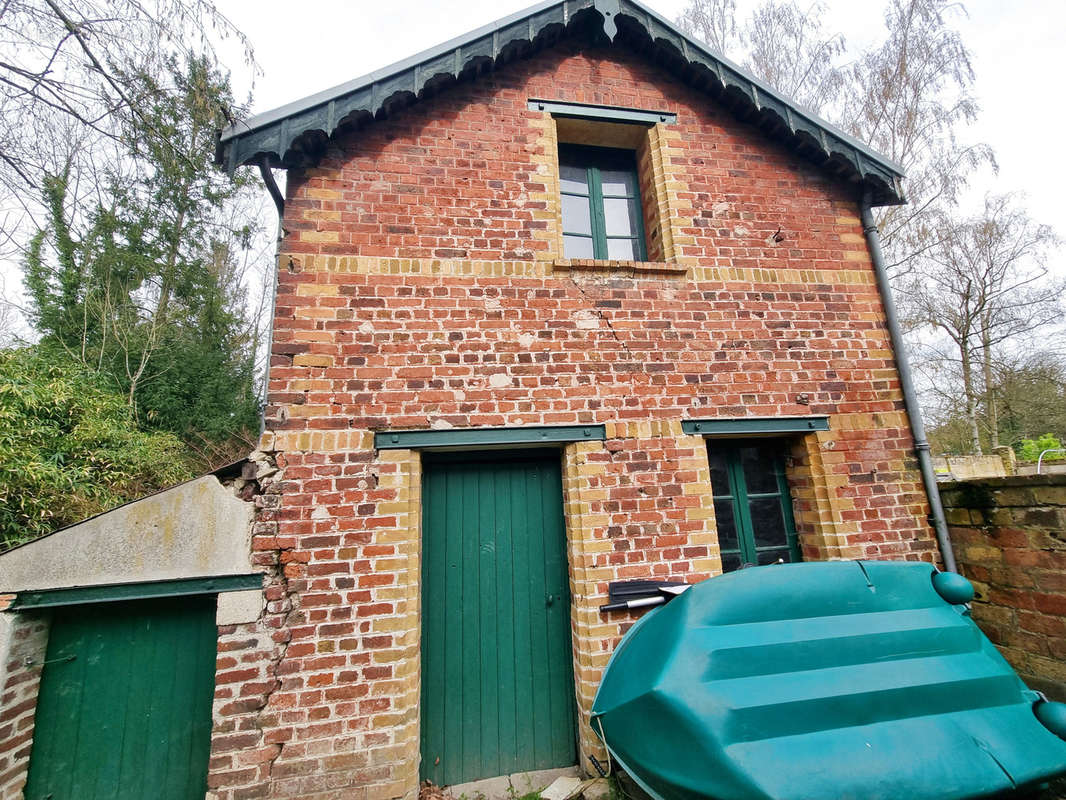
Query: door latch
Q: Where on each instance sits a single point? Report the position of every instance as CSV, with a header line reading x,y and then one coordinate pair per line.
x,y
29,662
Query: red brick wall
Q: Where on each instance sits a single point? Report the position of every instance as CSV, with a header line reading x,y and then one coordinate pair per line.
x,y
20,675
384,320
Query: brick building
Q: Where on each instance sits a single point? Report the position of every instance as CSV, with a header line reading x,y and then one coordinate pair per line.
x,y
566,301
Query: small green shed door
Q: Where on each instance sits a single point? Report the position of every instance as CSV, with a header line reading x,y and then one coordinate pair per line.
x,y
497,672
124,708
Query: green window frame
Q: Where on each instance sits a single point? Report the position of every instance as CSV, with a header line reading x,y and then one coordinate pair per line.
x,y
597,184
752,503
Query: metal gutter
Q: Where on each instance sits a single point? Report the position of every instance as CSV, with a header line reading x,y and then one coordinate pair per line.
x,y
272,188
910,397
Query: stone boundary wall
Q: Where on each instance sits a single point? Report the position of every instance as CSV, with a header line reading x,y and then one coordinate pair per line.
x,y
1009,536
965,468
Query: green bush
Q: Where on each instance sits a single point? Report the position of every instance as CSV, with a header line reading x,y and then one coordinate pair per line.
x,y
1031,449
69,446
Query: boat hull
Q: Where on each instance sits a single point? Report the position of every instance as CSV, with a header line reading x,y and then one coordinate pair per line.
x,y
820,680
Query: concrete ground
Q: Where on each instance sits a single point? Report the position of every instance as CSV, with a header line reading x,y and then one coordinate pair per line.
x,y
509,787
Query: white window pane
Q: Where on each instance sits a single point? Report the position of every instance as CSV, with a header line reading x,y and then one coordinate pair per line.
x,y
621,249
577,247
576,215
619,217
618,181
573,179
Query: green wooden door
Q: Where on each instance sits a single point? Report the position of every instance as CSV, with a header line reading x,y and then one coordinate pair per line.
x,y
497,674
124,709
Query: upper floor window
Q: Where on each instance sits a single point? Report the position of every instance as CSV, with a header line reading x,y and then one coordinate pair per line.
x,y
602,213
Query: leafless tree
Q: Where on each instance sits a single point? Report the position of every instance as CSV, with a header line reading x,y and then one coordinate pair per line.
x,y
782,43
908,98
714,22
8,321
63,68
790,49
1031,393
984,285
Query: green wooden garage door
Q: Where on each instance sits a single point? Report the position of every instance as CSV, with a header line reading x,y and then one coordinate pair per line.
x,y
124,709
497,674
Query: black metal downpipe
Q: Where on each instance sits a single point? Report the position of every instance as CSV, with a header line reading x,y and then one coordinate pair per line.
x,y
272,187
910,397
279,203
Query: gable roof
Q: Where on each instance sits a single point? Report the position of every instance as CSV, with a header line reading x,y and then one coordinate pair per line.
x,y
296,134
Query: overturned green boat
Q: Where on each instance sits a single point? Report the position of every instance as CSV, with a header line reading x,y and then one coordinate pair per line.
x,y
823,680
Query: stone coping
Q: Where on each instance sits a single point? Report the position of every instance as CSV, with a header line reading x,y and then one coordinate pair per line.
x,y
1007,482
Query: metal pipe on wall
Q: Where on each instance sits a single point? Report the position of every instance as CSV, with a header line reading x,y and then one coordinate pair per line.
x,y
910,397
279,203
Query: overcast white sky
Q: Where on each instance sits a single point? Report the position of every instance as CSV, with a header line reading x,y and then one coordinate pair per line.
x,y
1017,46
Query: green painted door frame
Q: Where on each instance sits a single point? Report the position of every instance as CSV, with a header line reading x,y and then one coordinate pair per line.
x,y
124,705
497,663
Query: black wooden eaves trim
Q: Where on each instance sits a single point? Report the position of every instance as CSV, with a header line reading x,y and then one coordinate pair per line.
x,y
296,135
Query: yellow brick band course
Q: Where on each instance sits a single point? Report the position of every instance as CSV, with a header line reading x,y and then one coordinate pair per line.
x,y
546,268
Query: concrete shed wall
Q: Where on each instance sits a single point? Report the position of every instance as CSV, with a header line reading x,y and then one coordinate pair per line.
x,y
193,529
